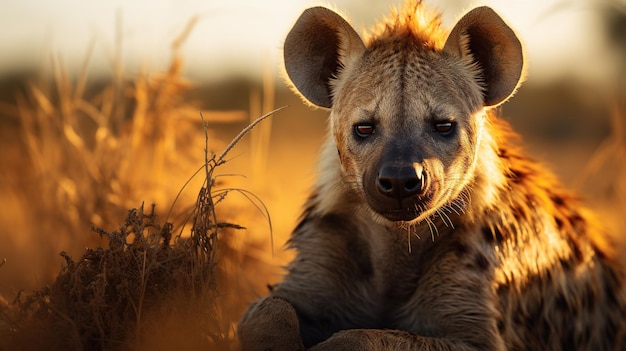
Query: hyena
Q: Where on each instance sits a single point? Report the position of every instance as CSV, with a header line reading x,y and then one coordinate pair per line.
x,y
429,228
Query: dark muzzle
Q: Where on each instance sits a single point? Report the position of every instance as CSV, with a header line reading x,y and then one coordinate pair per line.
x,y
401,181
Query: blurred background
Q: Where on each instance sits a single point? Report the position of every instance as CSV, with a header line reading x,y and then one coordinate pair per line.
x,y
100,107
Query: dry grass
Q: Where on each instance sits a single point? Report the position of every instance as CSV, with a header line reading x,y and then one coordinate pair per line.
x,y
149,289
602,177
93,155
153,282
114,298
96,146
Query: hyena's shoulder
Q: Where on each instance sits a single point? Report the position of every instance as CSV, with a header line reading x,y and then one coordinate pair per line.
x,y
554,263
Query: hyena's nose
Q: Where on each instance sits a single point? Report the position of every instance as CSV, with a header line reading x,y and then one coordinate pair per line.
x,y
400,181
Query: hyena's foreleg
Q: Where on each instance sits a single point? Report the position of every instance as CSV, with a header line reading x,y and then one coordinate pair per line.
x,y
270,324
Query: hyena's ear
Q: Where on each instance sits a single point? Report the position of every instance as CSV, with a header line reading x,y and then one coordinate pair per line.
x,y
494,46
317,47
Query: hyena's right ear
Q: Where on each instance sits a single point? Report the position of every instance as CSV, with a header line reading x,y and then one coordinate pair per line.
x,y
317,47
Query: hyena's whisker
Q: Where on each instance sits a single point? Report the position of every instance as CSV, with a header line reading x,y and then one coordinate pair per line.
x,y
445,218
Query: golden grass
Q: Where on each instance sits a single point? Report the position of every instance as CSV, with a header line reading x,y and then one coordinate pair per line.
x,y
90,154
602,178
149,289
162,279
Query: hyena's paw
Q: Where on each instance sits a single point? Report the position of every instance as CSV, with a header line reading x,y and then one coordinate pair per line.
x,y
353,340
270,324
369,340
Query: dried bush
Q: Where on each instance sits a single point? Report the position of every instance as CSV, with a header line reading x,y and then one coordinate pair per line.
x,y
149,289
152,283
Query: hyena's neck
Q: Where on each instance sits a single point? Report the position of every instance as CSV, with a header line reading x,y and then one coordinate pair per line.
x,y
490,172
531,215
332,193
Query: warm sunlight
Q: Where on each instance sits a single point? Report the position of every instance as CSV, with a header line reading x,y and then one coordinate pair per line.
x,y
113,115
237,34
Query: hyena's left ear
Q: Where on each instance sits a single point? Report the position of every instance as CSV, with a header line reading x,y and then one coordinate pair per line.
x,y
317,47
494,46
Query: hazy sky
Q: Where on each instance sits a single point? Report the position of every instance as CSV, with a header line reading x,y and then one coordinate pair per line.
x,y
239,34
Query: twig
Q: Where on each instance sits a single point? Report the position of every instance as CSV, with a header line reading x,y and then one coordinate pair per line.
x,y
182,37
220,160
243,133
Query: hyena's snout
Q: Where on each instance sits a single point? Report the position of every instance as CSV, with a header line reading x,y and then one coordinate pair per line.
x,y
400,181
398,190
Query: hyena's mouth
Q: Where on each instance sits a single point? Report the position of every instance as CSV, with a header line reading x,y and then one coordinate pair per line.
x,y
402,215
406,210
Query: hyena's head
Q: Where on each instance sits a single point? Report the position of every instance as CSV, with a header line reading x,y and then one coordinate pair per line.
x,y
407,106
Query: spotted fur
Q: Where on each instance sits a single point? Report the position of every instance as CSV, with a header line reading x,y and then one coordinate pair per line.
x,y
429,228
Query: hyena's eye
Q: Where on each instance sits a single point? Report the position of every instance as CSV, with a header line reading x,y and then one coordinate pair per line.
x,y
444,128
363,130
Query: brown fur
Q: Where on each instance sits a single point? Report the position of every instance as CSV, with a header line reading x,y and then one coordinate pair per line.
x,y
477,247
